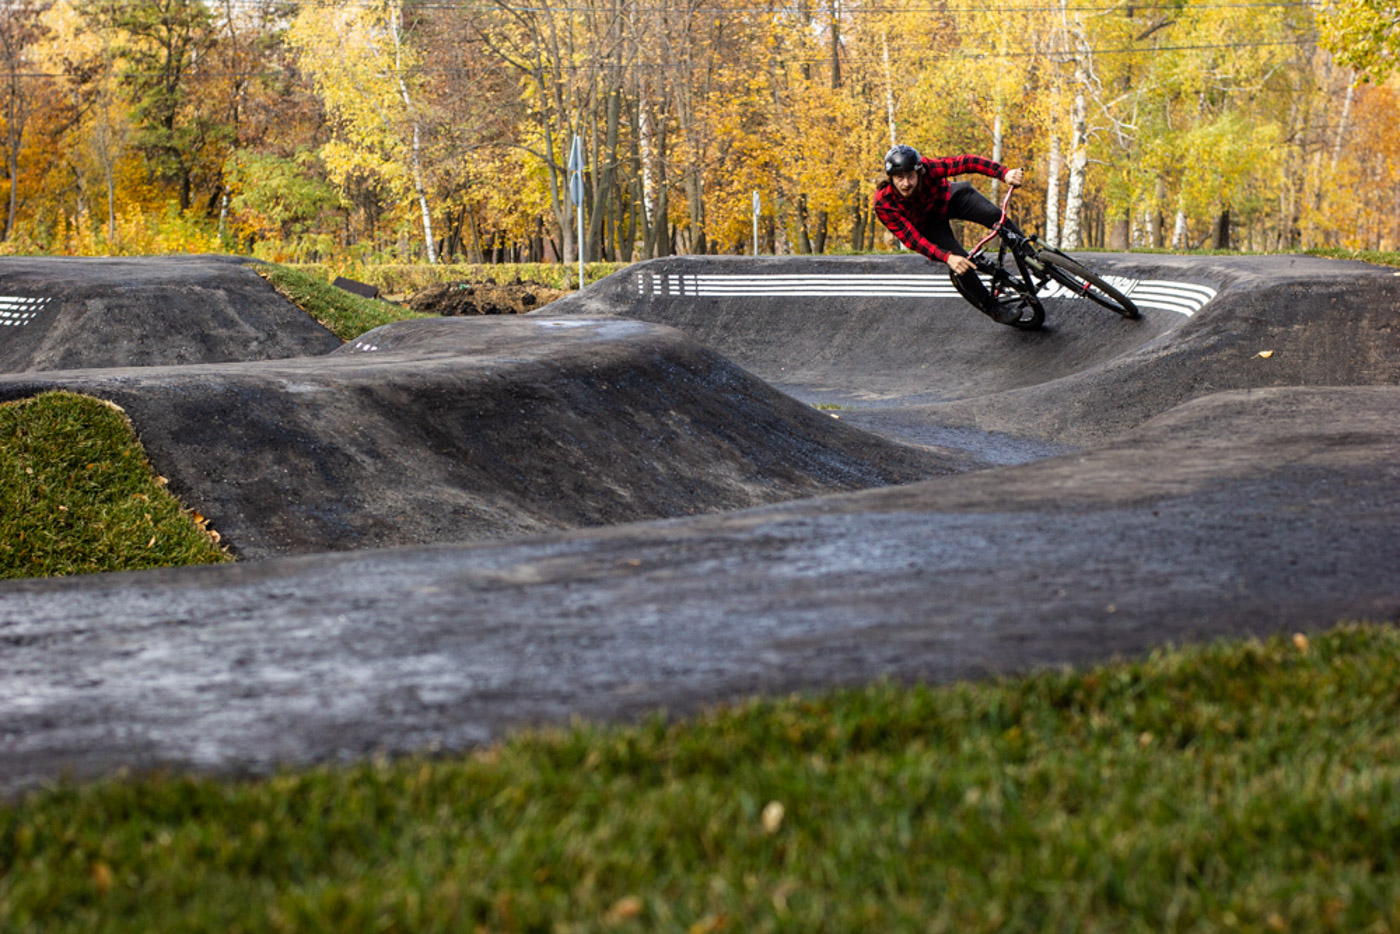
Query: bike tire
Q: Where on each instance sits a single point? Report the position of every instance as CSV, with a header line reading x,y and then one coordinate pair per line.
x,y
1074,276
1024,297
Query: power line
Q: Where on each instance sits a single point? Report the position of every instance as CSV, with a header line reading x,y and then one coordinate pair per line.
x,y
823,60
786,62
482,5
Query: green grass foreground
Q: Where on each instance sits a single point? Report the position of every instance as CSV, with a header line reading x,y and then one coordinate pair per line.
x,y
1237,786
343,313
77,495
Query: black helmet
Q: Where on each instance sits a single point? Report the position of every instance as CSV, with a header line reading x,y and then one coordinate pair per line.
x,y
902,158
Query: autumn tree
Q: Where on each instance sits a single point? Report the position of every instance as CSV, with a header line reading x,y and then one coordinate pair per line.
x,y
369,73
159,48
20,29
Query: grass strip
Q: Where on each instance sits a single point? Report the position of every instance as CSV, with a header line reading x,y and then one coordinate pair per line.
x,y
78,496
1249,786
342,313
406,278
1378,257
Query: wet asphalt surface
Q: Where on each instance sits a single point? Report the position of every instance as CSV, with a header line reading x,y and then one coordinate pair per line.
x,y
1257,509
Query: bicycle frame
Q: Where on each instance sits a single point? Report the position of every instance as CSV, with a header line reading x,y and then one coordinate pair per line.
x,y
1035,268
1031,281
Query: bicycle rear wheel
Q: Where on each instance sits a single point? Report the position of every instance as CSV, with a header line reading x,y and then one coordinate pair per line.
x,y
1074,276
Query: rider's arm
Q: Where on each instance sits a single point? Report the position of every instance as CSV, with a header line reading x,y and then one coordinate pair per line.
x,y
903,228
964,165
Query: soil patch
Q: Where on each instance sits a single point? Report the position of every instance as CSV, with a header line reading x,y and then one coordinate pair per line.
x,y
483,298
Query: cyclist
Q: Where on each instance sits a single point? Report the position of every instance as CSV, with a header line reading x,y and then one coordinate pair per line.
x,y
916,200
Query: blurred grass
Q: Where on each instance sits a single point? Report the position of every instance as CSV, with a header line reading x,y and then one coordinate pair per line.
x,y
1251,786
1379,257
77,495
406,278
343,313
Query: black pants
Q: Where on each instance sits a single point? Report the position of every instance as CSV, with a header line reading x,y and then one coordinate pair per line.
x,y
967,204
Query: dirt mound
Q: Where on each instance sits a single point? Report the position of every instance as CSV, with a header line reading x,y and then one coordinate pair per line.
x,y
61,313
440,430
483,298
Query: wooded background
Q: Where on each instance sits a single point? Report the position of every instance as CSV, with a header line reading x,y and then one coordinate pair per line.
x,y
391,130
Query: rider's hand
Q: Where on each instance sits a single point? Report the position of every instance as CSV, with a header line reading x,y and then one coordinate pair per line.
x,y
1014,177
960,264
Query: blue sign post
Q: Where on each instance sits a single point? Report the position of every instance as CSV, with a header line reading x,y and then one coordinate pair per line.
x,y
576,192
756,208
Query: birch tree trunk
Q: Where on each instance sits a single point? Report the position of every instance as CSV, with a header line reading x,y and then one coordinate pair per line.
x,y
416,153
997,139
1052,192
1179,230
889,86
1078,165
1342,125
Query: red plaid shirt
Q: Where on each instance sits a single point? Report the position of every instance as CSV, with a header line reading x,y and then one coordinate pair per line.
x,y
904,216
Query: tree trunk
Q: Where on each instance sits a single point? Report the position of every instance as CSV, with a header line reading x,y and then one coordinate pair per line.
x,y
1179,230
1052,193
996,155
1342,126
695,195
1222,230
605,172
804,242
416,155
858,220
1078,166
1120,234
889,86
1154,215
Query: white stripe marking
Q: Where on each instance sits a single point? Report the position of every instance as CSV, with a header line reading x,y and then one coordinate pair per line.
x,y
16,310
1185,298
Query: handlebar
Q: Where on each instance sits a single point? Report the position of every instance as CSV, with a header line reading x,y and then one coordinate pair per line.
x,y
996,228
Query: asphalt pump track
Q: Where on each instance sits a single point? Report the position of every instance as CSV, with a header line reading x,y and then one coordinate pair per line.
x,y
969,500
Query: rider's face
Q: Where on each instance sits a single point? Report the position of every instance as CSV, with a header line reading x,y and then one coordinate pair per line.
x,y
905,182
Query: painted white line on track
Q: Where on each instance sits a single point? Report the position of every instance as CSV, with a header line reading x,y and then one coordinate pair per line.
x,y
16,310
1184,298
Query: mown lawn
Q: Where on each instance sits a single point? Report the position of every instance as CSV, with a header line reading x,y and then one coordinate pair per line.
x,y
1246,786
77,495
342,313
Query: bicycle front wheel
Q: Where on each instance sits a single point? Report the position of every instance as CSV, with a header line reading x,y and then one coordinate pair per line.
x,y
1074,276
1010,292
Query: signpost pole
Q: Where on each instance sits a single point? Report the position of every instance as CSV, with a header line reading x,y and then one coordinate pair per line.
x,y
756,207
576,192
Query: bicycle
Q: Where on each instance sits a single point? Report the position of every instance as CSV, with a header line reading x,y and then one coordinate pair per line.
x,y
1035,267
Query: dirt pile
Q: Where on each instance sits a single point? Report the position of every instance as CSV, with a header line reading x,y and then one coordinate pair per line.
x,y
73,313
483,298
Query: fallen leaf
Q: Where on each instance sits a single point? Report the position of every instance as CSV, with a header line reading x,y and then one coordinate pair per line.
x,y
773,813
624,909
1266,354
102,877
